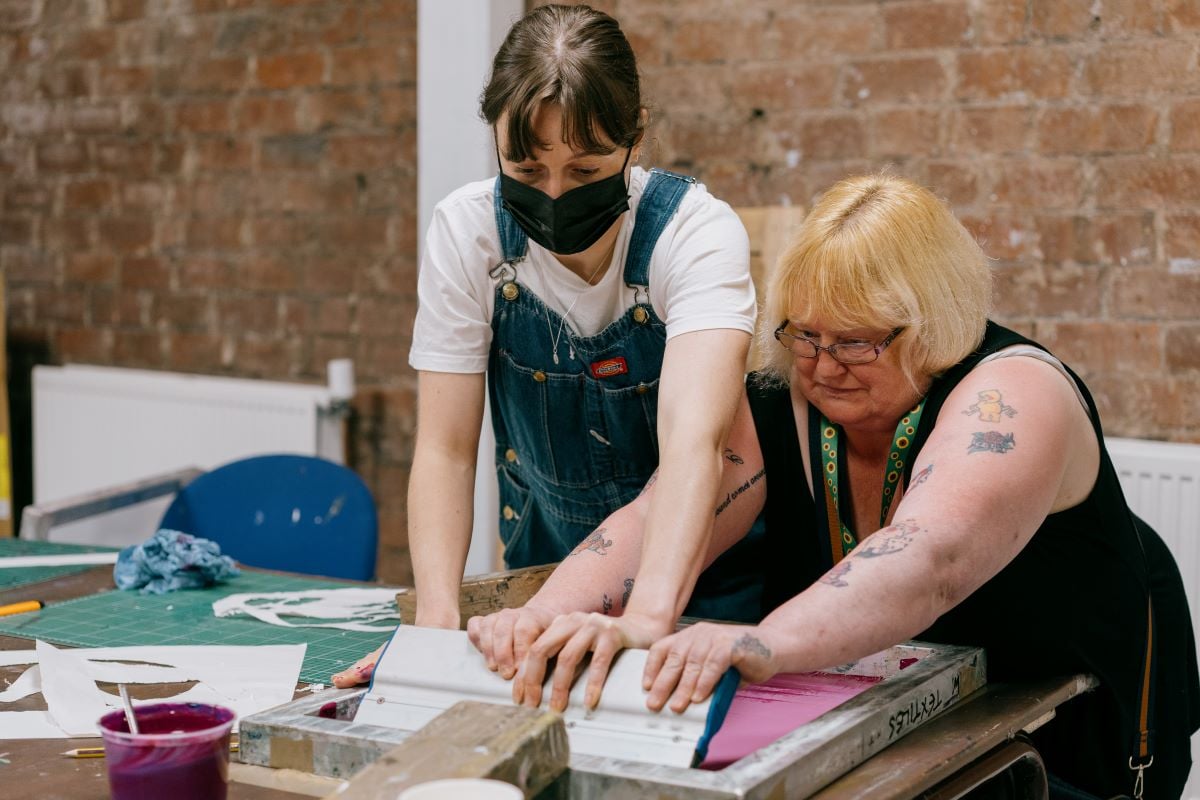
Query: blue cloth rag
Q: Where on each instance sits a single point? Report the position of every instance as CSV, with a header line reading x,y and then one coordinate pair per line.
x,y
171,560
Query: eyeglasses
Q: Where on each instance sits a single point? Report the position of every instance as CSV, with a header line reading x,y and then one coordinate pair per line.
x,y
843,352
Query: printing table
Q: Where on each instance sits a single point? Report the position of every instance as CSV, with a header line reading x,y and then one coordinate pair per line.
x,y
960,740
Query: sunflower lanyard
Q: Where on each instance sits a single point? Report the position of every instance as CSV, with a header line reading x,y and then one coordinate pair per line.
x,y
901,442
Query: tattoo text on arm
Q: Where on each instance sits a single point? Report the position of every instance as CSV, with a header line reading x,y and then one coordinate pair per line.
x,y
990,407
991,442
628,591
729,498
751,645
733,457
607,604
595,542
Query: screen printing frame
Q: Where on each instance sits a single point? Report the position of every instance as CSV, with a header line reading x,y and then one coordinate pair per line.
x,y
298,736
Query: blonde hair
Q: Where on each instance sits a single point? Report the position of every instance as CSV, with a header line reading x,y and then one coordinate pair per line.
x,y
879,251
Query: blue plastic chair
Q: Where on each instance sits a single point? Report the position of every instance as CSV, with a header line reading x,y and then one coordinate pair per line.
x,y
283,512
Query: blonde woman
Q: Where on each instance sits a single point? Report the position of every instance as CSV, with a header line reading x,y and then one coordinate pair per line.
x,y
926,474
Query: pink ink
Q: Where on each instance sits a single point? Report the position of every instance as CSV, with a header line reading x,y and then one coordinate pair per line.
x,y
908,662
366,669
180,752
763,712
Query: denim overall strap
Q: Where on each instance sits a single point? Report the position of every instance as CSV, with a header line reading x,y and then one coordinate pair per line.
x,y
660,200
513,241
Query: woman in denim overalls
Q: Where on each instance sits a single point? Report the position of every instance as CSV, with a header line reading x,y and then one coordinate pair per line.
x,y
591,390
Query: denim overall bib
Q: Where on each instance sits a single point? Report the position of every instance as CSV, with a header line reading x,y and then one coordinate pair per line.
x,y
576,439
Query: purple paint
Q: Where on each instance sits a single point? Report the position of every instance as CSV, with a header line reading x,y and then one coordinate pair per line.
x,y
181,752
329,710
763,712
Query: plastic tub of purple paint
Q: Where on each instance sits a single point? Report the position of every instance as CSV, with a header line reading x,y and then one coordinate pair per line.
x,y
181,752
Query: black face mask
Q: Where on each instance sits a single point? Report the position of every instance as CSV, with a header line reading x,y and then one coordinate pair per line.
x,y
572,222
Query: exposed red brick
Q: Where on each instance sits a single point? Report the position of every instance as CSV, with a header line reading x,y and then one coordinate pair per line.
x,y
1185,125
1181,15
333,315
94,119
203,116
126,234
1129,18
215,75
87,195
832,137
901,131
248,312
895,80
145,272
366,152
122,80
291,70
817,32
67,235
398,105
925,25
1002,129
89,44
1003,236
125,158
1137,68
190,311
1103,129
715,39
1140,182
214,233
1109,348
125,10
1156,292
329,24
83,345
998,21
91,268
205,272
1041,183
1063,19
774,87
16,231
265,114
63,157
54,304
137,348
954,181
66,81
1182,348
1014,73
195,352
1181,240
269,273
220,155
352,108
266,358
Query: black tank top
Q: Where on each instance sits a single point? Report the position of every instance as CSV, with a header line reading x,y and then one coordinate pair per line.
x,y
1073,600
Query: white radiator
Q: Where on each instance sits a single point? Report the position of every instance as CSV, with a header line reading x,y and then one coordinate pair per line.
x,y
95,427
1161,481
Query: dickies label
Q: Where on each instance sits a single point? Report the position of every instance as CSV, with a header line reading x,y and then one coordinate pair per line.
x,y
609,367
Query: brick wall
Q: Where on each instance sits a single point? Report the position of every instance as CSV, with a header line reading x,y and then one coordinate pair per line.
x,y
1066,134
219,186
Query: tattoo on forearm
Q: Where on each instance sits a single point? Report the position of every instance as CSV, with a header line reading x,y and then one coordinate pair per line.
x,y
991,442
628,591
733,457
836,576
892,539
920,478
729,498
607,602
751,645
649,482
990,407
595,542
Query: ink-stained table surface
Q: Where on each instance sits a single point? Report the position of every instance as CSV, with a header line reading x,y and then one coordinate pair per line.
x,y
934,752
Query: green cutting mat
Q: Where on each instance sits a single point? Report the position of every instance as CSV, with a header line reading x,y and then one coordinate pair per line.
x,y
118,619
21,576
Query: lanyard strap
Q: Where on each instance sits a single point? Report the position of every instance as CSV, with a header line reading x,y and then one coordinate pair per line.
x,y
841,538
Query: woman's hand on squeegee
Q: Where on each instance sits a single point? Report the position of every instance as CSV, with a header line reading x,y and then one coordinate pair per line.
x,y
361,672
505,636
685,667
568,639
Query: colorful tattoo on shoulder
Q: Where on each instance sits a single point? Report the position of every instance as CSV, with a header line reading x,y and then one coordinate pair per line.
x,y
991,442
837,575
892,539
751,645
628,591
733,457
607,604
595,543
990,407
920,478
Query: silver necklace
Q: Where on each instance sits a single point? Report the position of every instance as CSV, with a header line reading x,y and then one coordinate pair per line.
x,y
555,338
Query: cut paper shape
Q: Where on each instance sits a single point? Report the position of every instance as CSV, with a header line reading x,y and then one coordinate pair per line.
x,y
29,683
354,609
246,679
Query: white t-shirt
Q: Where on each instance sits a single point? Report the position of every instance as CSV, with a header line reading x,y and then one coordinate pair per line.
x,y
699,276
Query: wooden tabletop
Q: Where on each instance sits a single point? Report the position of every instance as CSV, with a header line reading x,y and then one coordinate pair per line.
x,y
36,768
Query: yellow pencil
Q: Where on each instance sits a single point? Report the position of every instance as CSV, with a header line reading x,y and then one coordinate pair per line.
x,y
20,608
98,752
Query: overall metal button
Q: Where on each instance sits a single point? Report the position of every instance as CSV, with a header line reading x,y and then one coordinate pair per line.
x,y
509,291
539,376
639,315
642,388
510,455
508,513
